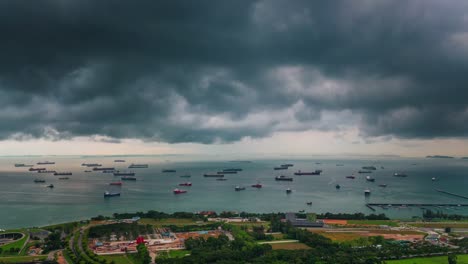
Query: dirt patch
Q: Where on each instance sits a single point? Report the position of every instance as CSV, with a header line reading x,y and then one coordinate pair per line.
x,y
335,222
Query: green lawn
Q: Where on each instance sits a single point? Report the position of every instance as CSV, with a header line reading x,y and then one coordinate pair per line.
x,y
21,259
434,260
16,244
118,259
168,221
372,222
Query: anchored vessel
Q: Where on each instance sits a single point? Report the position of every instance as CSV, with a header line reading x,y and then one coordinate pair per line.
x,y
316,172
213,175
368,178
283,178
239,188
288,190
39,181
103,169
179,191
399,174
257,185
62,173
138,166
36,169
168,170
185,184
111,194
45,163
91,164
128,178
124,173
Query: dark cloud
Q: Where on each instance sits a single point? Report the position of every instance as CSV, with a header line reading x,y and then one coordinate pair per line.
x,y
217,71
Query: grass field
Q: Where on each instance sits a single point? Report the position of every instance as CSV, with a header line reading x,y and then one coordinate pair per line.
x,y
341,236
17,244
462,259
290,246
118,259
372,222
441,224
21,259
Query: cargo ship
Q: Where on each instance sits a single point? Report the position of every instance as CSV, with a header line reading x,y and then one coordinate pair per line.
x,y
91,164
119,160
87,171
185,184
138,166
45,163
287,165
213,175
128,178
280,168
108,171
167,171
36,169
396,174
62,173
179,191
116,183
364,171
103,169
257,185
22,165
221,179
233,169
351,177
369,178
316,172
63,178
46,171
39,181
382,185
111,194
50,186
239,188
123,173
369,168
283,178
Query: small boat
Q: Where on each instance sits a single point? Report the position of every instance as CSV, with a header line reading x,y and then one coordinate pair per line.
x,y
239,188
382,167
123,173
185,184
50,186
369,168
287,165
226,172
316,172
91,164
397,174
383,185
39,181
233,169
283,178
221,179
185,176
309,203
351,177
368,178
87,171
116,183
45,163
47,171
337,186
111,194
367,192
257,185
288,190
280,168
103,169
434,179
301,211
128,178
179,191
63,178
36,169
22,165
167,171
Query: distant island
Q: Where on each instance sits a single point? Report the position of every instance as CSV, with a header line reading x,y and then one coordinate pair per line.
x,y
439,157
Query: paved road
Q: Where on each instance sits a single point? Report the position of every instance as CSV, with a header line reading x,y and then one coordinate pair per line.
x,y
25,243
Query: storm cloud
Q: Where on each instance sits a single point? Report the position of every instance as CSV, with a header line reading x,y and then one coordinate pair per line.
x,y
219,71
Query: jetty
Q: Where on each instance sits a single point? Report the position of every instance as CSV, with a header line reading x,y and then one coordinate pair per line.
x,y
453,194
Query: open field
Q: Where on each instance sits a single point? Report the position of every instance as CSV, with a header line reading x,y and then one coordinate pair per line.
x,y
21,259
17,244
433,260
290,246
345,235
373,222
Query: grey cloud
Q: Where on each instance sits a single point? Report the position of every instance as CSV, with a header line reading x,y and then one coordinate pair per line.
x,y
218,71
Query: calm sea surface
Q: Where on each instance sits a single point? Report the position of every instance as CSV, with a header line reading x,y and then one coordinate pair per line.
x,y
25,203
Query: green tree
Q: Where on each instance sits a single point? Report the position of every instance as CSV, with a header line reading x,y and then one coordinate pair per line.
x,y
452,259
143,254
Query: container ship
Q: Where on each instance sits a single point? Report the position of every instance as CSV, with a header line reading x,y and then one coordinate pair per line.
x,y
45,163
123,173
257,185
233,169
138,166
168,171
36,169
214,175
128,178
179,191
111,194
103,169
185,184
283,178
62,173
316,172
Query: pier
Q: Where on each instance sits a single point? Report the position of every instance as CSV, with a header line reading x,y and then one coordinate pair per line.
x,y
453,194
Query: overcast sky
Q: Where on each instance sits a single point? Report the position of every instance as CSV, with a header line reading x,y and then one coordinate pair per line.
x,y
154,77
